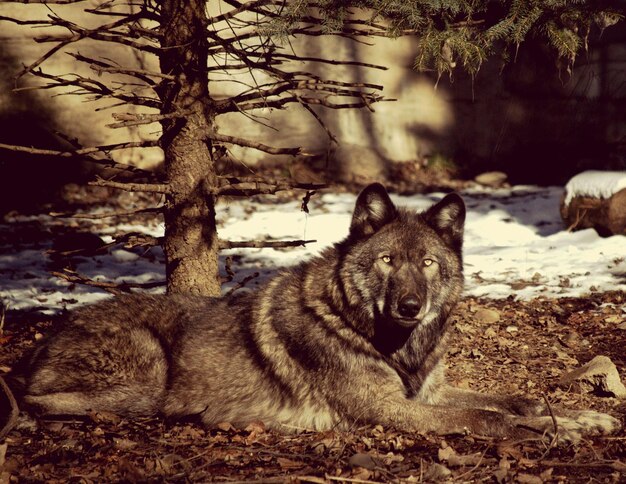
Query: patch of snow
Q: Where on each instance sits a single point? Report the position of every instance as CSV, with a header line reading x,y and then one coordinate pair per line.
x,y
596,184
515,245
121,255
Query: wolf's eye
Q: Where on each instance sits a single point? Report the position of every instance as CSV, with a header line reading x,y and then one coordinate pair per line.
x,y
386,259
428,262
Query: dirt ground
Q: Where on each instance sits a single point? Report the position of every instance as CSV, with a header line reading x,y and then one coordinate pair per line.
x,y
501,346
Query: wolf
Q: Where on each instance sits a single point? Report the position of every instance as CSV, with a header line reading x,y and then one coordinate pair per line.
x,y
354,336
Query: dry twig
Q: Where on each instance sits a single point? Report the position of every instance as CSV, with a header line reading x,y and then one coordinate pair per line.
x,y
97,216
132,187
260,244
242,283
116,288
242,186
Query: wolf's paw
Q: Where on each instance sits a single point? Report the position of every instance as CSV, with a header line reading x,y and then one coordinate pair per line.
x,y
567,429
596,423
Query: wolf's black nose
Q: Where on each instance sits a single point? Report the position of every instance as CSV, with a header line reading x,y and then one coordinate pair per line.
x,y
408,306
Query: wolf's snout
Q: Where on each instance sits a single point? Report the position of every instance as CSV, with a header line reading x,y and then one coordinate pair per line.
x,y
409,306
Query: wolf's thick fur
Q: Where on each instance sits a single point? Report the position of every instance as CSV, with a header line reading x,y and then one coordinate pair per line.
x,y
354,335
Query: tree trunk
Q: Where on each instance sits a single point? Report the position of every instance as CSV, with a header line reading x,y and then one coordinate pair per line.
x,y
191,244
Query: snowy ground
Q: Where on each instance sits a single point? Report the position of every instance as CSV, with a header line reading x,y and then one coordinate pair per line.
x,y
515,245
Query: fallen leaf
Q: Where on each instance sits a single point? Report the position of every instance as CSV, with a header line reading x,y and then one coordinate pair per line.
x,y
362,460
436,472
500,475
444,454
225,426
255,427
487,316
528,479
124,444
285,463
105,417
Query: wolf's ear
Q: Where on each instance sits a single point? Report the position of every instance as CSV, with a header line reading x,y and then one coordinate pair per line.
x,y
447,218
373,209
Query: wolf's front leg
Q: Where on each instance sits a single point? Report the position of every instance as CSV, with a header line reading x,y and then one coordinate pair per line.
x,y
454,420
532,415
509,404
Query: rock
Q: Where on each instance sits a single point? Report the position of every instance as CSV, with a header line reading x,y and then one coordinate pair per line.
x,y
606,215
598,376
487,316
493,179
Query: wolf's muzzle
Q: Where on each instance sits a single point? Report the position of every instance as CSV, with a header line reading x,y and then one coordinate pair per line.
x,y
409,307
408,311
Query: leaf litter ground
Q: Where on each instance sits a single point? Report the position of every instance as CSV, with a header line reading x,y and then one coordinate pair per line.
x,y
497,345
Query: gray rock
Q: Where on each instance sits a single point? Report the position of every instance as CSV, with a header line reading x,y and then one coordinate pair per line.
x,y
494,179
599,376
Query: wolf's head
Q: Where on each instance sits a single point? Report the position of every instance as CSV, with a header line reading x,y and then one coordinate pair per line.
x,y
405,267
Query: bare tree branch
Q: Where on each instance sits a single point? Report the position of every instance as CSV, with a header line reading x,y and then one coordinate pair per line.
x,y
116,288
281,102
128,119
238,102
137,239
226,180
320,121
242,283
104,32
98,216
329,61
114,37
91,86
43,58
82,151
253,144
248,186
88,153
18,21
51,2
13,414
260,244
101,65
242,7
132,187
